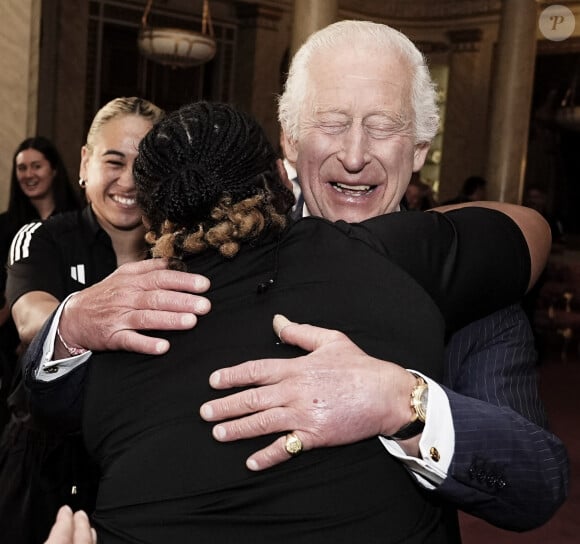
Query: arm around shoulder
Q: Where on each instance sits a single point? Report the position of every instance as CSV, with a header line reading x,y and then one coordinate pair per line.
x,y
534,228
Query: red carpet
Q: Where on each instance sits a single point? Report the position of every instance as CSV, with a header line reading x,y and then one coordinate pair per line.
x,y
560,386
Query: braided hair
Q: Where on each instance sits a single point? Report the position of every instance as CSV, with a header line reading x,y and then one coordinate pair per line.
x,y
206,177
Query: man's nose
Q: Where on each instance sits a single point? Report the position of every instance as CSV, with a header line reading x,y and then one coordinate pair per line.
x,y
354,153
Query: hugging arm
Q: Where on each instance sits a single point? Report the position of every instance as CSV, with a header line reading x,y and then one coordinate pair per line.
x,y
109,315
507,467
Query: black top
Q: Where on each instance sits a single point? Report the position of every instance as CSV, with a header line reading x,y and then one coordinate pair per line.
x,y
66,253
389,284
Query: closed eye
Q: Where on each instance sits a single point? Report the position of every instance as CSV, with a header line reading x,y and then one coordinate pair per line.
x,y
381,127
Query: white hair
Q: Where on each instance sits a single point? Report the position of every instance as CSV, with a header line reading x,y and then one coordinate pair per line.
x,y
360,34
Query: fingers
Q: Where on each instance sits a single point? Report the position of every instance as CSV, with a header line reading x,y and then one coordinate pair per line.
x,y
257,401
279,322
259,372
163,278
107,315
62,531
128,340
307,337
273,454
71,528
166,300
174,280
83,533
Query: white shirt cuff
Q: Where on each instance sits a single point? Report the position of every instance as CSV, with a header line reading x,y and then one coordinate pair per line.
x,y
49,370
437,443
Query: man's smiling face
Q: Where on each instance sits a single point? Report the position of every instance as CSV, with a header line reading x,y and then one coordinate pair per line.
x,y
356,151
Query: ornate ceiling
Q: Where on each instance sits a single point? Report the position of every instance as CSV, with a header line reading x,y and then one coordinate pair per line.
x,y
422,9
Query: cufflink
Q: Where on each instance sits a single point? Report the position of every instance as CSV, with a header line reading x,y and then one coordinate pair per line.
x,y
434,454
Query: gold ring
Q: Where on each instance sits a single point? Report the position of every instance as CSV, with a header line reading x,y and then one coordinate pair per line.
x,y
293,444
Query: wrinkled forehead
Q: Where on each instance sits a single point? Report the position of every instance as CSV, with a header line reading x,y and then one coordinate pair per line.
x,y
358,80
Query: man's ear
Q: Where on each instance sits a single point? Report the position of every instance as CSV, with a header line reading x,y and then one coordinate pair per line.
x,y
289,148
419,155
283,174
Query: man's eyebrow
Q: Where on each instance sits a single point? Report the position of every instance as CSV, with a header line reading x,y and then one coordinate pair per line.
x,y
321,109
114,152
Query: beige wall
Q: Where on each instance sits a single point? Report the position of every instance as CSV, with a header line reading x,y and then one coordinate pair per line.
x,y
19,44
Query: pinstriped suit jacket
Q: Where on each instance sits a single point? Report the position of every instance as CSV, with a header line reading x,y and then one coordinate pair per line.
x,y
507,467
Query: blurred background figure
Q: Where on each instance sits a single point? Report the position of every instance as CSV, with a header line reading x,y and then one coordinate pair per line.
x,y
39,187
419,195
473,188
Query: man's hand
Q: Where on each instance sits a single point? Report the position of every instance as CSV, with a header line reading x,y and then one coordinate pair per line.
x,y
71,528
334,395
136,297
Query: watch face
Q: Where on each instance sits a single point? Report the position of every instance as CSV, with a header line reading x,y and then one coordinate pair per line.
x,y
425,398
421,406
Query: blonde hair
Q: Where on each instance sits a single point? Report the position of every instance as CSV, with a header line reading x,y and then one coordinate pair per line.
x,y
120,107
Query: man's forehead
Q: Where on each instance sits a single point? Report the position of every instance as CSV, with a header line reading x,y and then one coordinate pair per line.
x,y
358,75
362,95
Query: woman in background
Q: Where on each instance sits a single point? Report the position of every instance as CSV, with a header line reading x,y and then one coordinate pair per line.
x,y
39,188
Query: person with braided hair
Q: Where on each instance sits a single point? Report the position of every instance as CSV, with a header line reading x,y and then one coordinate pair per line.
x,y
216,202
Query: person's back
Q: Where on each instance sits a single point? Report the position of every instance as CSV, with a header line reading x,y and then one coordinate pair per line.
x,y
138,409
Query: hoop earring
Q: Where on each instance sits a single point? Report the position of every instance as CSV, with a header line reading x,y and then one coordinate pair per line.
x,y
82,183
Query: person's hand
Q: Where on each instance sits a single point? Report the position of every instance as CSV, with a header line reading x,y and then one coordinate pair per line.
x,y
136,297
335,395
71,528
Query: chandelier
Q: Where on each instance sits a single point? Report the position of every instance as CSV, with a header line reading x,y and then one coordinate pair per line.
x,y
175,47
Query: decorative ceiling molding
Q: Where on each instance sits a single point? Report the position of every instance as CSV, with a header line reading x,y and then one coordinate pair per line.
x,y
402,9
422,9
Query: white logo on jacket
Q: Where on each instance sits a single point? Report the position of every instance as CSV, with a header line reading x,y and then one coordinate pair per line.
x,y
77,273
20,246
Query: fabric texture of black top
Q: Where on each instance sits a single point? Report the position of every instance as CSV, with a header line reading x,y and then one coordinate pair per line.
x,y
391,284
64,254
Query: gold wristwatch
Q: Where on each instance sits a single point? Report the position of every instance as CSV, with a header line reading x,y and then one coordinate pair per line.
x,y
419,398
